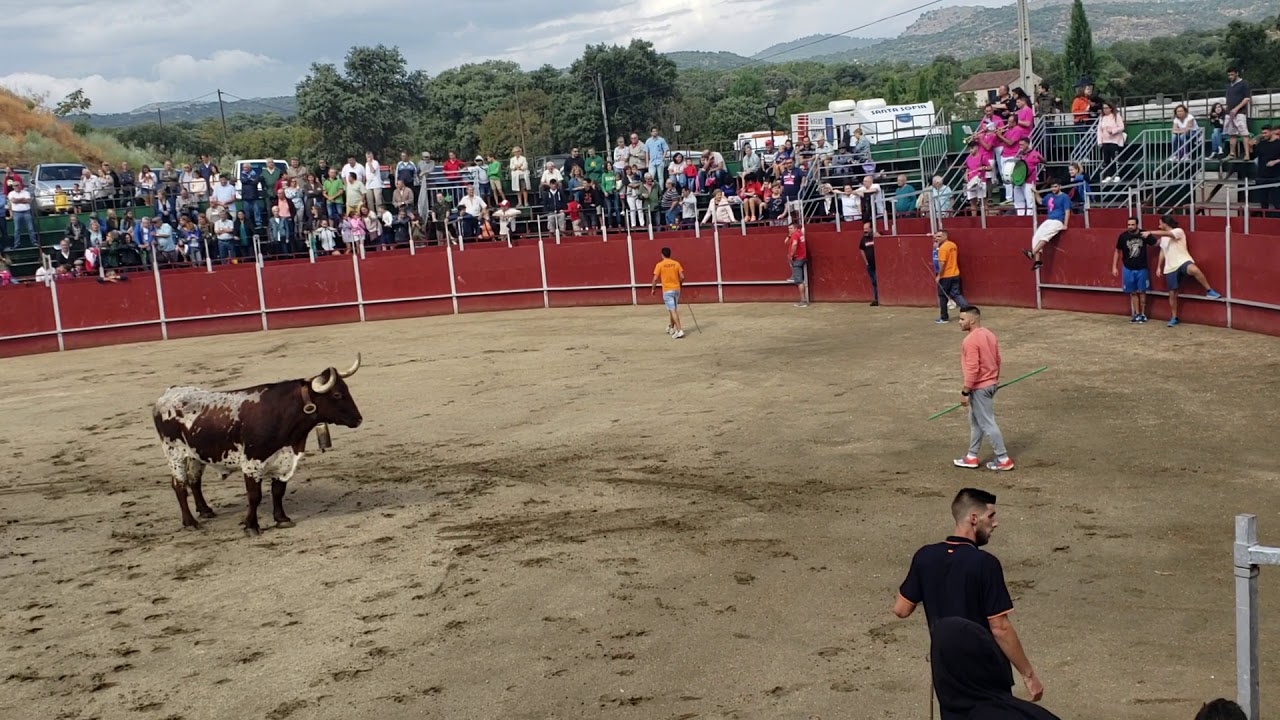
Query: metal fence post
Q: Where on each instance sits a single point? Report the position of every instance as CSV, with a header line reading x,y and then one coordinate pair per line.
x,y
355,268
1246,574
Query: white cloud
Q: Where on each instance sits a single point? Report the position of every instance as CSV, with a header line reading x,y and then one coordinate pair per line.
x,y
177,77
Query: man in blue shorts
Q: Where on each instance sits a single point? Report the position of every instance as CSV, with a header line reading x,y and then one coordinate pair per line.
x,y
670,274
1131,249
1176,263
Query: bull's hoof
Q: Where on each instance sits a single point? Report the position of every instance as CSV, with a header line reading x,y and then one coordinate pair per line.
x,y
206,514
252,531
192,526
285,523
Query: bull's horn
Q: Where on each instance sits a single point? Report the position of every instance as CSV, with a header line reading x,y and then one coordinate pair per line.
x,y
323,386
351,370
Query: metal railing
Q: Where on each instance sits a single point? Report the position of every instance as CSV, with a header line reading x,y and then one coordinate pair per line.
x,y
1265,103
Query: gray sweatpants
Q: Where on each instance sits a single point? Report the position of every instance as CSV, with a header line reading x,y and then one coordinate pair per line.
x,y
982,421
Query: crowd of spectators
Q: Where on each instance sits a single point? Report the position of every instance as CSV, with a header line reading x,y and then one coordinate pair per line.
x,y
201,213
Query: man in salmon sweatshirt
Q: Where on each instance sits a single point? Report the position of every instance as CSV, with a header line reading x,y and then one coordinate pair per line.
x,y
980,360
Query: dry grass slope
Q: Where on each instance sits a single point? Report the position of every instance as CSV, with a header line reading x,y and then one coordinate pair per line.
x,y
32,136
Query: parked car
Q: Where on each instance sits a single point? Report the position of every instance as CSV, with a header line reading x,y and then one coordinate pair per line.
x,y
47,177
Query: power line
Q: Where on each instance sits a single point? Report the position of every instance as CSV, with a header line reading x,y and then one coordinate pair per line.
x,y
259,103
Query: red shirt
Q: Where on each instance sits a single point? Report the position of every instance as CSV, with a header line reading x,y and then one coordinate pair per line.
x,y
980,358
574,210
798,249
452,168
752,188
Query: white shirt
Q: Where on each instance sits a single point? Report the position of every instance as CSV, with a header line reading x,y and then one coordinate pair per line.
x,y
20,200
1175,251
373,175
224,229
519,163
224,194
473,205
43,274
352,168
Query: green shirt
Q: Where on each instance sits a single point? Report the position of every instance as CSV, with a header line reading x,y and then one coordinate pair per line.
x,y
269,180
333,190
595,167
609,182
495,171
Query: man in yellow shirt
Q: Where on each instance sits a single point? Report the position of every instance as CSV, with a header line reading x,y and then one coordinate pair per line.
x,y
1176,263
670,274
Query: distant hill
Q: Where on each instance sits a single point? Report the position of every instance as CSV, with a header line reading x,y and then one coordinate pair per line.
x,y
813,46
700,60
987,30
195,111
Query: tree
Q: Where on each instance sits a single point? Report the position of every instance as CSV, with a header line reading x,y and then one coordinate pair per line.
x,y
636,81
367,108
734,115
74,103
460,98
509,125
1078,57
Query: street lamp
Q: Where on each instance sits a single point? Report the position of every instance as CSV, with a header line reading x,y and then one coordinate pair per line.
x,y
676,127
771,110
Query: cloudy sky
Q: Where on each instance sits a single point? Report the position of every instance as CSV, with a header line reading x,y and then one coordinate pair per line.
x,y
127,53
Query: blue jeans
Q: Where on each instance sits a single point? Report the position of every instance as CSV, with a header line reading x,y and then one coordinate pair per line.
x,y
673,215
335,210
226,249
20,218
875,287
612,210
1216,139
253,210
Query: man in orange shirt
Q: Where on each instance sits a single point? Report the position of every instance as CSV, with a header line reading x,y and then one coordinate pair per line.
x,y
670,274
946,265
980,360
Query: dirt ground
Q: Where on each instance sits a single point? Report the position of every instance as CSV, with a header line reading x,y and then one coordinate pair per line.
x,y
567,514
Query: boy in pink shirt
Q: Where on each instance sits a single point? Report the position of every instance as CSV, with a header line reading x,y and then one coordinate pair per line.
x,y
980,361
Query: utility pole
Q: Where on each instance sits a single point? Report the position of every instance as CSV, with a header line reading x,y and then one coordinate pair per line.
x,y
226,144
1024,50
160,118
520,118
603,112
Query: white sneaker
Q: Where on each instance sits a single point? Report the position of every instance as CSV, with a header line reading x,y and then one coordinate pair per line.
x,y
670,330
677,335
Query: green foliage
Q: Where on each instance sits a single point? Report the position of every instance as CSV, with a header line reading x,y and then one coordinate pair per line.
x,y
74,103
368,106
636,81
734,115
1078,56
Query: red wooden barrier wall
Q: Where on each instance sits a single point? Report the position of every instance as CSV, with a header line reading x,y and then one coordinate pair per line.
x,y
587,271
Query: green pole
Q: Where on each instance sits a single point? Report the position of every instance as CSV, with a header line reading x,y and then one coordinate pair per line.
x,y
1001,385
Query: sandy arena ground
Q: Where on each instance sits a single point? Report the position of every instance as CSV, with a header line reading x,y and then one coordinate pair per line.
x,y
565,514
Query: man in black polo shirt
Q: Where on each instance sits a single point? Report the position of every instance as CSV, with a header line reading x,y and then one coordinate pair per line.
x,y
955,578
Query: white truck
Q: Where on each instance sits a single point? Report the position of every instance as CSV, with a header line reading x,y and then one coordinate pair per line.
x,y
880,122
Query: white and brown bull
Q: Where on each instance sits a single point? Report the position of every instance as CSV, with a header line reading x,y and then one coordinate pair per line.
x,y
260,431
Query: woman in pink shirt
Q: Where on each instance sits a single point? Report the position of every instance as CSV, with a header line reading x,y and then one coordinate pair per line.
x,y
1111,138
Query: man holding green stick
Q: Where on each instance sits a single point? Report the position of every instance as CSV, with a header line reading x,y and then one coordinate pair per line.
x,y
980,362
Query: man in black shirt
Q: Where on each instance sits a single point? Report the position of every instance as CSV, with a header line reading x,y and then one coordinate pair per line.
x,y
956,578
1131,248
868,247
1003,106
1236,122
1267,150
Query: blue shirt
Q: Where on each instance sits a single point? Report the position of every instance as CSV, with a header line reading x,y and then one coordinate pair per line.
x,y
657,148
1056,206
249,185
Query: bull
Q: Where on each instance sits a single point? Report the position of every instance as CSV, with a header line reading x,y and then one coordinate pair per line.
x,y
260,431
